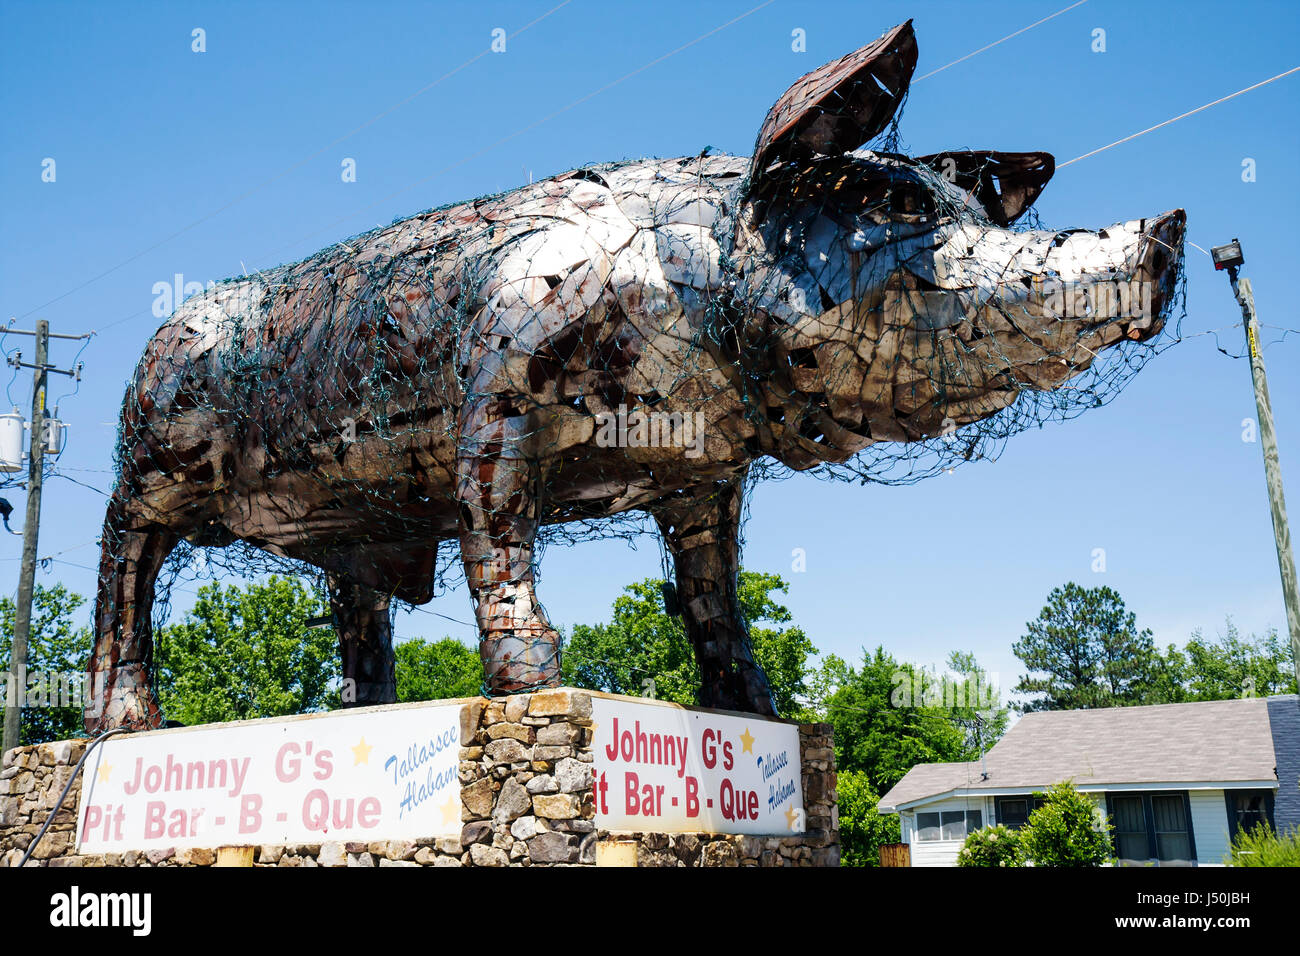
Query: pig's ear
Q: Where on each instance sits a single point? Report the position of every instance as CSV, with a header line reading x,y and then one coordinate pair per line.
x,y
840,106
1006,184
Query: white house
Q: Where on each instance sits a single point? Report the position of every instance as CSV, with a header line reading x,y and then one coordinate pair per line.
x,y
1176,780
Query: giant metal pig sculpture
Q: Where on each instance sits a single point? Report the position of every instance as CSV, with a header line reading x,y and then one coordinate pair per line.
x,y
482,370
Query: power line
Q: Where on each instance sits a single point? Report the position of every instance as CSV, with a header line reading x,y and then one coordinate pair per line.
x,y
284,172
51,557
425,610
526,129
996,42
503,140
616,82
564,109
59,474
1150,129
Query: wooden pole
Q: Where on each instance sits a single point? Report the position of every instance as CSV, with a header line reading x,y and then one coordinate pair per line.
x,y
234,856
1272,465
27,574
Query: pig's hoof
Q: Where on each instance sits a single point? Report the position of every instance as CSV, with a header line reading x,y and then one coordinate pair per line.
x,y
740,687
522,659
124,700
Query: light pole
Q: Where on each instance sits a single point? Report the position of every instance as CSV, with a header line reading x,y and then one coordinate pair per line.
x,y
1229,257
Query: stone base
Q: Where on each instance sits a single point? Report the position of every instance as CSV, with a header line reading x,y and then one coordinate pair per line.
x,y
526,788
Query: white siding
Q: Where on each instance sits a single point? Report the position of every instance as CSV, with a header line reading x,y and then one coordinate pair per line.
x,y
1209,826
936,853
941,852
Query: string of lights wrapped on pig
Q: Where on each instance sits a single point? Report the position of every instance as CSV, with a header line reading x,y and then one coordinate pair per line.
x,y
639,337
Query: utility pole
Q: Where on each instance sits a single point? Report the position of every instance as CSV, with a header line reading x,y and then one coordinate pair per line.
x,y
31,529
1229,257
17,685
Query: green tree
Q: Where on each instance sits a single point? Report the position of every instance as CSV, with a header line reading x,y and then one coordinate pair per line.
x,y
1168,684
1231,666
1066,830
643,643
863,829
1085,650
245,652
782,652
1236,666
889,716
437,670
57,652
976,702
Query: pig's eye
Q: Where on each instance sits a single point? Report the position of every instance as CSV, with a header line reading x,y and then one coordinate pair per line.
x,y
908,202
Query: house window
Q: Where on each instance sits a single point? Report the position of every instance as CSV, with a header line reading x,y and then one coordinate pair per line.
x,y
1013,812
947,825
1247,809
1129,819
1173,838
1152,826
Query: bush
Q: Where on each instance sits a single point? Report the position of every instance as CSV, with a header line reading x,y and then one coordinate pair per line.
x,y
1260,846
991,846
1066,831
862,827
437,670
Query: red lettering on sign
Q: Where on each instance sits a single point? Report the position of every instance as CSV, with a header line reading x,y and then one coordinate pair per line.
x,y
153,819
632,801
250,813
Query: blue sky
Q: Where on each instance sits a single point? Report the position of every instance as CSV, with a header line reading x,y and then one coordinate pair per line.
x,y
149,137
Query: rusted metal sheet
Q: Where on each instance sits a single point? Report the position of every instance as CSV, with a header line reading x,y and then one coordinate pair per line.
x,y
636,336
839,106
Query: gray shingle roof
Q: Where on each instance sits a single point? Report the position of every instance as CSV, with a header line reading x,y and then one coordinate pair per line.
x,y
1205,742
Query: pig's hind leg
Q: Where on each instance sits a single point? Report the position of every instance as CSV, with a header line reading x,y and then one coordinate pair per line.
x,y
701,528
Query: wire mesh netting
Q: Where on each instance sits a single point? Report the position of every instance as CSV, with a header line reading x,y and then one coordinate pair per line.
x,y
620,347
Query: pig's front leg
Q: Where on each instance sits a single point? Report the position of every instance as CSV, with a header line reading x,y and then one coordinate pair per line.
x,y
497,488
702,530
121,664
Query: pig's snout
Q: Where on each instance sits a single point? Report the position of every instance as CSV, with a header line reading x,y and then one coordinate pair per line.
x,y
1118,281
1159,259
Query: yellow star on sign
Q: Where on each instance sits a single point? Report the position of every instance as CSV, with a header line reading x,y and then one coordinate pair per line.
x,y
450,811
748,741
104,770
361,752
792,816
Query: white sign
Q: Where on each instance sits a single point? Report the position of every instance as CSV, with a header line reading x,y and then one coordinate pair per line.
x,y
664,768
387,774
